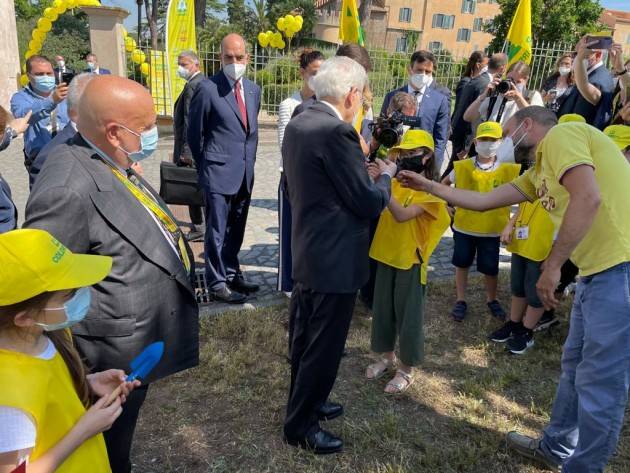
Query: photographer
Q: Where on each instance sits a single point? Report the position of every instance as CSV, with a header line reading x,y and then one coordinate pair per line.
x,y
46,101
594,86
558,85
503,98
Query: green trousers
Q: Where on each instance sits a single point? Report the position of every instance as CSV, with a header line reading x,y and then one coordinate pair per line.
x,y
398,311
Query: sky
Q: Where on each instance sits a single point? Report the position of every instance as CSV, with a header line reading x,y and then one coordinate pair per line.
x,y
132,7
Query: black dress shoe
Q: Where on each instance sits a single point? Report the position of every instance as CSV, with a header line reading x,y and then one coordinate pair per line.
x,y
226,295
320,443
194,235
241,285
330,411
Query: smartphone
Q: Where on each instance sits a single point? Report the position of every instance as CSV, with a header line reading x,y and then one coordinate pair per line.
x,y
599,42
67,77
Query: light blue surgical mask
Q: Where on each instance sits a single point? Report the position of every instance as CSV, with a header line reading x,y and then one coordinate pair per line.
x,y
44,84
91,66
148,144
76,309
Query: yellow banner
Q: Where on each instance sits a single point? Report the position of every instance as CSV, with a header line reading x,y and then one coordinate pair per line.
x,y
159,83
520,34
349,24
180,35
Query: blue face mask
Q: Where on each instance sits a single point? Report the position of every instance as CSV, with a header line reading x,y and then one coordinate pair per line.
x,y
76,309
148,144
44,84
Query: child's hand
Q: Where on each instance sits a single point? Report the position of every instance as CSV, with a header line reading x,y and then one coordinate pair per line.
x,y
506,235
104,383
98,418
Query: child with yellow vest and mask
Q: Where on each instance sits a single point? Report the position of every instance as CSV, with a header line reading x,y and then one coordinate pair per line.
x,y
407,233
45,418
529,236
478,232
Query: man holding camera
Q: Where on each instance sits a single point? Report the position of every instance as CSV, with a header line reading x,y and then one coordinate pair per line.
x,y
433,104
47,102
593,94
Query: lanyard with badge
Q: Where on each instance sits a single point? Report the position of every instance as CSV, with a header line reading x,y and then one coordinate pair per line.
x,y
521,232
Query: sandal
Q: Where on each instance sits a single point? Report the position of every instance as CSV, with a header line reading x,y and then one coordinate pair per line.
x,y
397,387
378,369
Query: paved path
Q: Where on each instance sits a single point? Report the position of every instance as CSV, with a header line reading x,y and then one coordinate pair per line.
x,y
260,249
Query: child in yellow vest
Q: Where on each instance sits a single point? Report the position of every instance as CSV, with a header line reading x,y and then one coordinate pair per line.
x,y
44,416
478,232
407,233
529,236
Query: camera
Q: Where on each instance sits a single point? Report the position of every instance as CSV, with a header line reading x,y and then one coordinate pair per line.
x,y
388,130
504,86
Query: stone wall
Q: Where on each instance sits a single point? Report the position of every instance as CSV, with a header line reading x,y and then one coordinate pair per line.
x,y
9,53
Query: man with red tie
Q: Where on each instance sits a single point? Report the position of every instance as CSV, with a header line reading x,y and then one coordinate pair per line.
x,y
223,138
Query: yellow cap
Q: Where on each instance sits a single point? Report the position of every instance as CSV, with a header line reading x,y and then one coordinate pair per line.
x,y
620,134
415,139
571,117
34,262
489,130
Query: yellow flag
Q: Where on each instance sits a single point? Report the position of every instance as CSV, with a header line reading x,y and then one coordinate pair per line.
x,y
180,35
349,24
520,34
159,82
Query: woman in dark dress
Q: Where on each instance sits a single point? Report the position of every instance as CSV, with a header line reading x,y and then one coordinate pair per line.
x,y
558,85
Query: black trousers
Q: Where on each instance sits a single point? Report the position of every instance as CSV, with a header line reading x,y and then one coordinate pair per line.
x,y
367,291
118,439
321,323
196,214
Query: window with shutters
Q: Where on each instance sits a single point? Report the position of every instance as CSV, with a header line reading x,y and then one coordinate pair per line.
x,y
446,22
435,46
401,44
468,6
463,35
478,24
404,15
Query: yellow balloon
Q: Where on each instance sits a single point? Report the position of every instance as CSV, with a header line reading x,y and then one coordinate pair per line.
x,y
44,24
39,35
282,45
34,45
28,54
23,80
124,32
300,21
57,4
145,69
280,24
263,40
70,4
51,14
130,44
138,56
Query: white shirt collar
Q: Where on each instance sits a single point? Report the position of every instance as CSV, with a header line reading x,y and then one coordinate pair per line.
x,y
411,90
333,108
194,75
596,66
74,126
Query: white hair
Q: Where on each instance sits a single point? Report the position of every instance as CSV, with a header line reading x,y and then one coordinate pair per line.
x,y
76,88
190,55
337,76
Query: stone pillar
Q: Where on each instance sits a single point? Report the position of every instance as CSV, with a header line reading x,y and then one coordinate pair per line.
x,y
9,54
106,39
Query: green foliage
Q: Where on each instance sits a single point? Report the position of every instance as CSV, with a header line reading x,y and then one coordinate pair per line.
x,y
272,96
552,20
69,37
284,70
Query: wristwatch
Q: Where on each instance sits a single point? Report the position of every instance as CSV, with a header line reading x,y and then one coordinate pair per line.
x,y
620,73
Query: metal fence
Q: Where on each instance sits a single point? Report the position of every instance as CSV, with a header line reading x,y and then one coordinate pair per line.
x,y
278,73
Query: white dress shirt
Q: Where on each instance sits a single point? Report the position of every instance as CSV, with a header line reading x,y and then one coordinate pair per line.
x,y
233,83
419,94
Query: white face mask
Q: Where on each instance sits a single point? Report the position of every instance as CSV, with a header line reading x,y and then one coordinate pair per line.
x,y
183,72
234,71
483,70
564,71
91,66
505,151
487,149
418,81
61,64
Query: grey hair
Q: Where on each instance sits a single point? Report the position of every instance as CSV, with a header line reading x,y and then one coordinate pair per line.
x,y
76,88
190,55
337,76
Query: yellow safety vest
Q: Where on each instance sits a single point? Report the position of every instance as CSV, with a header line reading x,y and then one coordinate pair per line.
x,y
539,230
468,176
44,390
399,244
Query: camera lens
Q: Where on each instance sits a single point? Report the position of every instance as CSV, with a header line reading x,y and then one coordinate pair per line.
x,y
388,137
503,86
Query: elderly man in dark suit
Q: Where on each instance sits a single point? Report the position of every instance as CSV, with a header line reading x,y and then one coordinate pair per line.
x,y
88,196
332,201
223,138
187,69
433,100
75,90
62,68
93,66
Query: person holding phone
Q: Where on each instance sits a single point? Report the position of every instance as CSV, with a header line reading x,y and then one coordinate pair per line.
x,y
593,94
558,85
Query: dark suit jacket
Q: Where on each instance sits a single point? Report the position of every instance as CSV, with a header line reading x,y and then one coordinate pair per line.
x,y
8,212
58,74
101,71
332,201
597,115
180,118
223,149
469,94
148,295
303,106
60,138
435,114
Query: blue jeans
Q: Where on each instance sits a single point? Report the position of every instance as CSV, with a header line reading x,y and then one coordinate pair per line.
x,y
593,389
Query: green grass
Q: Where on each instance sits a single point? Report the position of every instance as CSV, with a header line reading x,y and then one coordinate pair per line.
x,y
226,415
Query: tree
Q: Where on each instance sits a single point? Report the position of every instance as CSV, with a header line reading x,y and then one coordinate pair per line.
x,y
205,9
306,8
562,21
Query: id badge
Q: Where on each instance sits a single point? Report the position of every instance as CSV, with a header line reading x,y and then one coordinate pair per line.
x,y
522,233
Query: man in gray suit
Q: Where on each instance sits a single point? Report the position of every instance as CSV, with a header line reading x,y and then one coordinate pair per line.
x,y
89,198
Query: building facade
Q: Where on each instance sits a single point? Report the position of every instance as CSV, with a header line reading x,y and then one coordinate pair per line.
x,y
619,22
406,25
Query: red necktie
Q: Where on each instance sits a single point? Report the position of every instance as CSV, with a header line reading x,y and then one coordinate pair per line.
x,y
239,102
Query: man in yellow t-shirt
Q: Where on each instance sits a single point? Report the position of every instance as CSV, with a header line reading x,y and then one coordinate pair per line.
x,y
581,179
